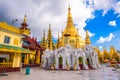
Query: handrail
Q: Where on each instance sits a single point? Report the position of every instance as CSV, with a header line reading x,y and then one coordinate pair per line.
x,y
5,64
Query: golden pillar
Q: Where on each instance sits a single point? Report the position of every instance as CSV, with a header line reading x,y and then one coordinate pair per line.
x,y
38,57
16,60
26,59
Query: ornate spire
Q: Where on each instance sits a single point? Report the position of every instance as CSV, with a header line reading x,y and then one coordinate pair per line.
x,y
41,42
58,37
112,50
87,40
24,23
44,42
58,42
49,39
69,18
104,50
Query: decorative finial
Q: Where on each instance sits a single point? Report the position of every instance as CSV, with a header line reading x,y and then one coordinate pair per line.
x,y
24,23
58,38
69,7
49,25
68,4
25,18
87,41
58,34
86,33
44,33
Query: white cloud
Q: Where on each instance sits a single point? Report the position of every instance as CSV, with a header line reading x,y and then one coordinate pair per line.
x,y
106,39
42,12
104,5
116,7
91,34
112,23
100,47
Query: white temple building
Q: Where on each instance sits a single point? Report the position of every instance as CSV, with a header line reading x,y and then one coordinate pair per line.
x,y
70,58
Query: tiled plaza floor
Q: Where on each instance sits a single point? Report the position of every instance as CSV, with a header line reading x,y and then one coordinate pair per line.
x,y
104,73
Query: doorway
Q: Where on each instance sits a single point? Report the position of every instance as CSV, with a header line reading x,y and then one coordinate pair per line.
x,y
60,62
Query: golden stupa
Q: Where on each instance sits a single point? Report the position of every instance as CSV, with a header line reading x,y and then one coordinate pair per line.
x,y
70,34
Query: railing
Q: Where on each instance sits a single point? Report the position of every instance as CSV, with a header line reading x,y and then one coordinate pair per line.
x,y
5,64
7,67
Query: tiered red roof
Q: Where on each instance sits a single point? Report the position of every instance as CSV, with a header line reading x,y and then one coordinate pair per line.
x,y
34,45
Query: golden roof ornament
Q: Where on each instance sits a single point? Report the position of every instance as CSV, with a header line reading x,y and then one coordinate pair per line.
x,y
87,39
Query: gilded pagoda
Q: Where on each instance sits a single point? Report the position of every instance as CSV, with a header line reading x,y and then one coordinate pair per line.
x,y
70,36
105,56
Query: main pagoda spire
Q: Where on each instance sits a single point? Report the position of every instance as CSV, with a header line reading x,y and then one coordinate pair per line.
x,y
69,18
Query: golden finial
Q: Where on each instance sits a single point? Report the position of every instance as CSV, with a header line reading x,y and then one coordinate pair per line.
x,y
58,42
69,12
44,34
86,33
87,40
69,18
58,34
68,4
25,18
49,25
69,7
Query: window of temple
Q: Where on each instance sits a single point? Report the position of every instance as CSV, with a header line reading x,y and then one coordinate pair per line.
x,y
7,39
26,43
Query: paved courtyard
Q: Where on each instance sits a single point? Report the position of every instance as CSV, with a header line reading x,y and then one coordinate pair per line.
x,y
104,73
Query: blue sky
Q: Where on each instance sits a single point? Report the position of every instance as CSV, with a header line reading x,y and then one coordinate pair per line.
x,y
101,27
101,18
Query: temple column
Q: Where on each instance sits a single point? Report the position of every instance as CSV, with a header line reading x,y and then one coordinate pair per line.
x,y
38,57
26,59
16,60
78,67
84,64
57,63
43,61
64,63
93,62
